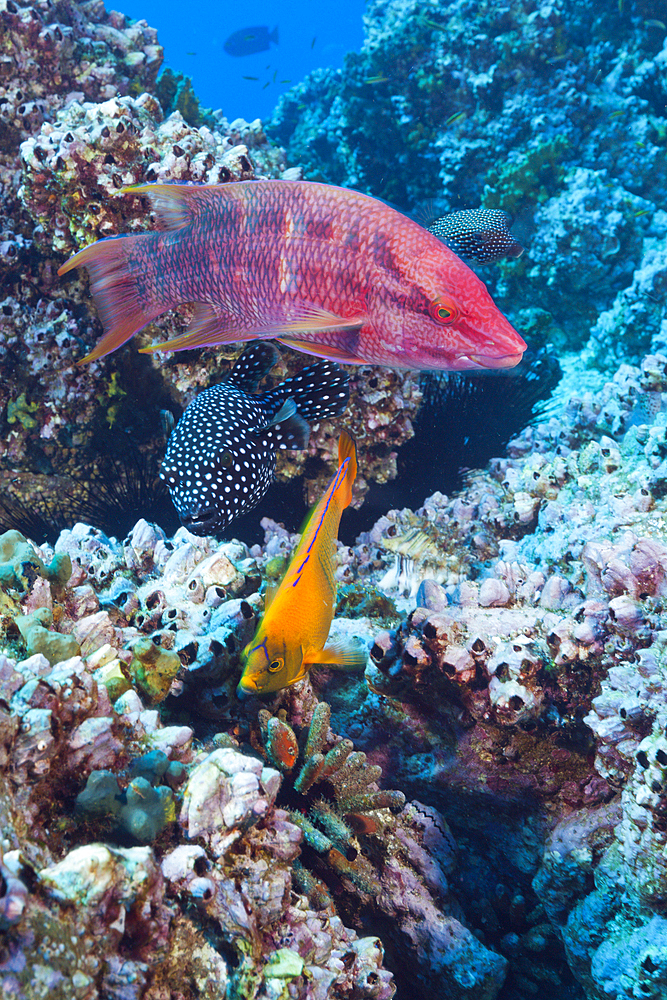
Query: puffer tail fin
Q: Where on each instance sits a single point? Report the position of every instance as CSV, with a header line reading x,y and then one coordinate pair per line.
x,y
320,391
347,467
120,306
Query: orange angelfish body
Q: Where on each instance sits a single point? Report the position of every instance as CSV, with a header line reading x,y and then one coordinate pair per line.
x,y
325,270
294,630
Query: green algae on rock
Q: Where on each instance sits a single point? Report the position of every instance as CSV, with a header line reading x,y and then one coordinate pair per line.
x,y
21,411
153,669
20,565
40,638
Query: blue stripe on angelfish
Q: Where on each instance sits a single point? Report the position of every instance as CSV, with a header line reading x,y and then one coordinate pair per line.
x,y
262,645
337,480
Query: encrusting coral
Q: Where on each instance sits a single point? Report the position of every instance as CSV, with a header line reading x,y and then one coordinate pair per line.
x,y
509,671
73,164
156,836
356,809
67,730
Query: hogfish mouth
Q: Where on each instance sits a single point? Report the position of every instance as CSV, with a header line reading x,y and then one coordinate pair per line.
x,y
486,362
494,361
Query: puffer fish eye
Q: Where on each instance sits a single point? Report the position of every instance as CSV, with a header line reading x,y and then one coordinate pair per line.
x,y
275,665
226,459
444,310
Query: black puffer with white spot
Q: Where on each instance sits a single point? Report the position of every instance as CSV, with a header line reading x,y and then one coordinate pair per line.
x,y
221,456
482,233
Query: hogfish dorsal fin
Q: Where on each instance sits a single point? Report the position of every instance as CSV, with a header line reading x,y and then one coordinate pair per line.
x,y
177,204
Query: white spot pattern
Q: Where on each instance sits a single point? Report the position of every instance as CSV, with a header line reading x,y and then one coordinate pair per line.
x,y
205,466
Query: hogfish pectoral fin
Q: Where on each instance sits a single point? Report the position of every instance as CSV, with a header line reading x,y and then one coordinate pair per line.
x,y
342,654
209,327
322,351
303,317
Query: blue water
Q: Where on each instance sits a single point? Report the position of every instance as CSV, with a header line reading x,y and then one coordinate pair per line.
x,y
193,41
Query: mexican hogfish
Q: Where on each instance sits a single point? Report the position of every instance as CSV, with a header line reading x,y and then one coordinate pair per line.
x,y
324,270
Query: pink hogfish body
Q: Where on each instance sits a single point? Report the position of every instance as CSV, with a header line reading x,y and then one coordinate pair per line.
x,y
325,270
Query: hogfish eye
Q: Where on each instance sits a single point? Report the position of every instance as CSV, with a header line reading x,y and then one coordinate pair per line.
x,y
444,310
275,665
226,459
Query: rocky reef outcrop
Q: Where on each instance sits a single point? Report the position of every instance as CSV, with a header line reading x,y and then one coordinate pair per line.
x,y
480,815
555,114
486,799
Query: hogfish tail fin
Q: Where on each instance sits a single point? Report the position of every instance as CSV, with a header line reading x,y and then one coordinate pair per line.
x,y
122,310
347,453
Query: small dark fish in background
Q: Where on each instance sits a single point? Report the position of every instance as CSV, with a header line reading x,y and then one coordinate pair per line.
x,y
221,457
482,233
248,41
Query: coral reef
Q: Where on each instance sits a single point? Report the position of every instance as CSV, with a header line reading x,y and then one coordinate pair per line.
x,y
122,774
515,698
75,167
73,134
482,814
508,108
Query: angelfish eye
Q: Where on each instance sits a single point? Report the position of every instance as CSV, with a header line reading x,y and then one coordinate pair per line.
x,y
226,459
275,665
443,309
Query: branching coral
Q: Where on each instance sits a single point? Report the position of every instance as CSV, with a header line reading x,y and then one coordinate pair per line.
x,y
348,818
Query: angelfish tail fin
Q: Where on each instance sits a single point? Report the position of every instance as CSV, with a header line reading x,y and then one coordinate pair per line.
x,y
347,467
113,284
